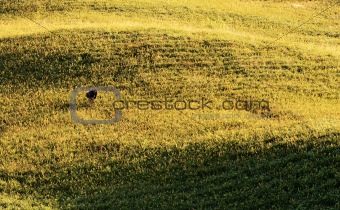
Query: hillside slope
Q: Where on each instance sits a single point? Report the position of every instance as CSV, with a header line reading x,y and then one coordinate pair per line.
x,y
286,53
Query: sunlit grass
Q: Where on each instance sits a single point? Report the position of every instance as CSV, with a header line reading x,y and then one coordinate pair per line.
x,y
169,159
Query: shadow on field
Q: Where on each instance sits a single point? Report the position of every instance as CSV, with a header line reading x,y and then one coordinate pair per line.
x,y
304,174
37,61
75,57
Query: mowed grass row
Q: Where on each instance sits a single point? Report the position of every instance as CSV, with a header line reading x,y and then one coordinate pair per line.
x,y
202,175
168,159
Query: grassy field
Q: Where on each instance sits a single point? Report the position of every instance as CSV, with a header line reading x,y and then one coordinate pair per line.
x,y
284,52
